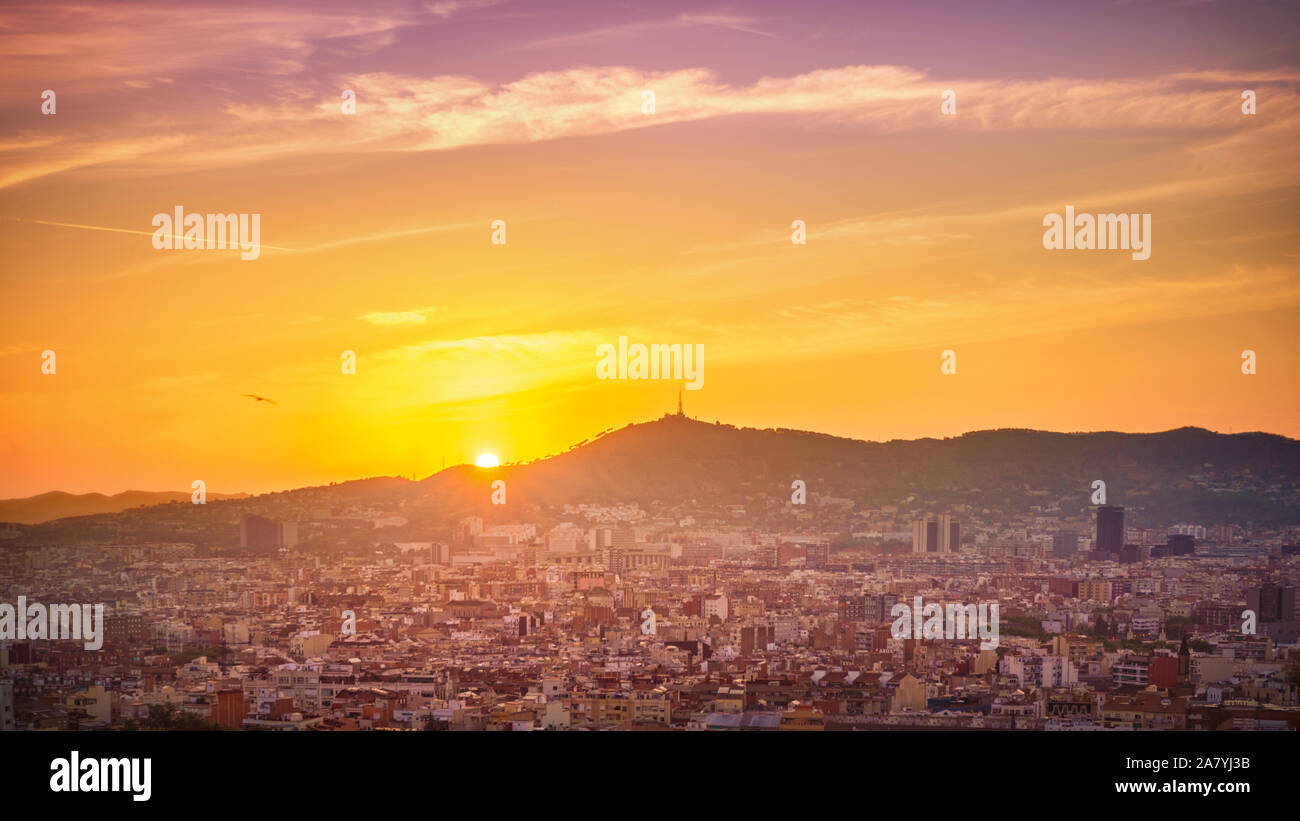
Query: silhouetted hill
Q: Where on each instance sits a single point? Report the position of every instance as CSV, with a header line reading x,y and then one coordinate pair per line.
x,y
1189,474
1184,473
57,504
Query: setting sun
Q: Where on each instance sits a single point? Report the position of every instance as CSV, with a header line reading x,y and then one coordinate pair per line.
x,y
486,460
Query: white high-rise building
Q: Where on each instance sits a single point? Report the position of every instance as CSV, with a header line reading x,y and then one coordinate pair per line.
x,y
936,534
949,534
714,605
925,535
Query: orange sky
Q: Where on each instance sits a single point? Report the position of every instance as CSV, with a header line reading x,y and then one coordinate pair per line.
x,y
924,234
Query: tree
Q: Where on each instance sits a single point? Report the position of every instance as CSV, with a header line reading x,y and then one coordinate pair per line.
x,y
168,717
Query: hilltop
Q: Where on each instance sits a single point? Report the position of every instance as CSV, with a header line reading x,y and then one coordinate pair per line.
x,y
58,504
678,462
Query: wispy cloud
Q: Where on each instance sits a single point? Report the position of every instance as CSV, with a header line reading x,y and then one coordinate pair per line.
x,y
514,345
625,31
443,112
384,236
416,316
68,45
404,112
10,350
446,8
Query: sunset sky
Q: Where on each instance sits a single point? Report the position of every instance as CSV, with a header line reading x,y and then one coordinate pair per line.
x,y
924,230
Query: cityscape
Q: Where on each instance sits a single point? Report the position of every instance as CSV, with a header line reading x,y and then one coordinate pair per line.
x,y
905,380
457,603
915,382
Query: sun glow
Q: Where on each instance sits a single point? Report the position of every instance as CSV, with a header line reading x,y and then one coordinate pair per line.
x,y
486,460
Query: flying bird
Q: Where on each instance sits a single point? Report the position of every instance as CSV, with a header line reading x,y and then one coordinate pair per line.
x,y
259,398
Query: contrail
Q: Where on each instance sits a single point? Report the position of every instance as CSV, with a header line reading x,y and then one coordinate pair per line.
x,y
176,237
325,246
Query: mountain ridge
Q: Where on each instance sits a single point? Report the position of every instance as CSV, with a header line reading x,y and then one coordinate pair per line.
x,y
677,460
38,508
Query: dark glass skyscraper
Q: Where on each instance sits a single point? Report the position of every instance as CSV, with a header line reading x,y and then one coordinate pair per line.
x,y
1110,532
1272,602
259,531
